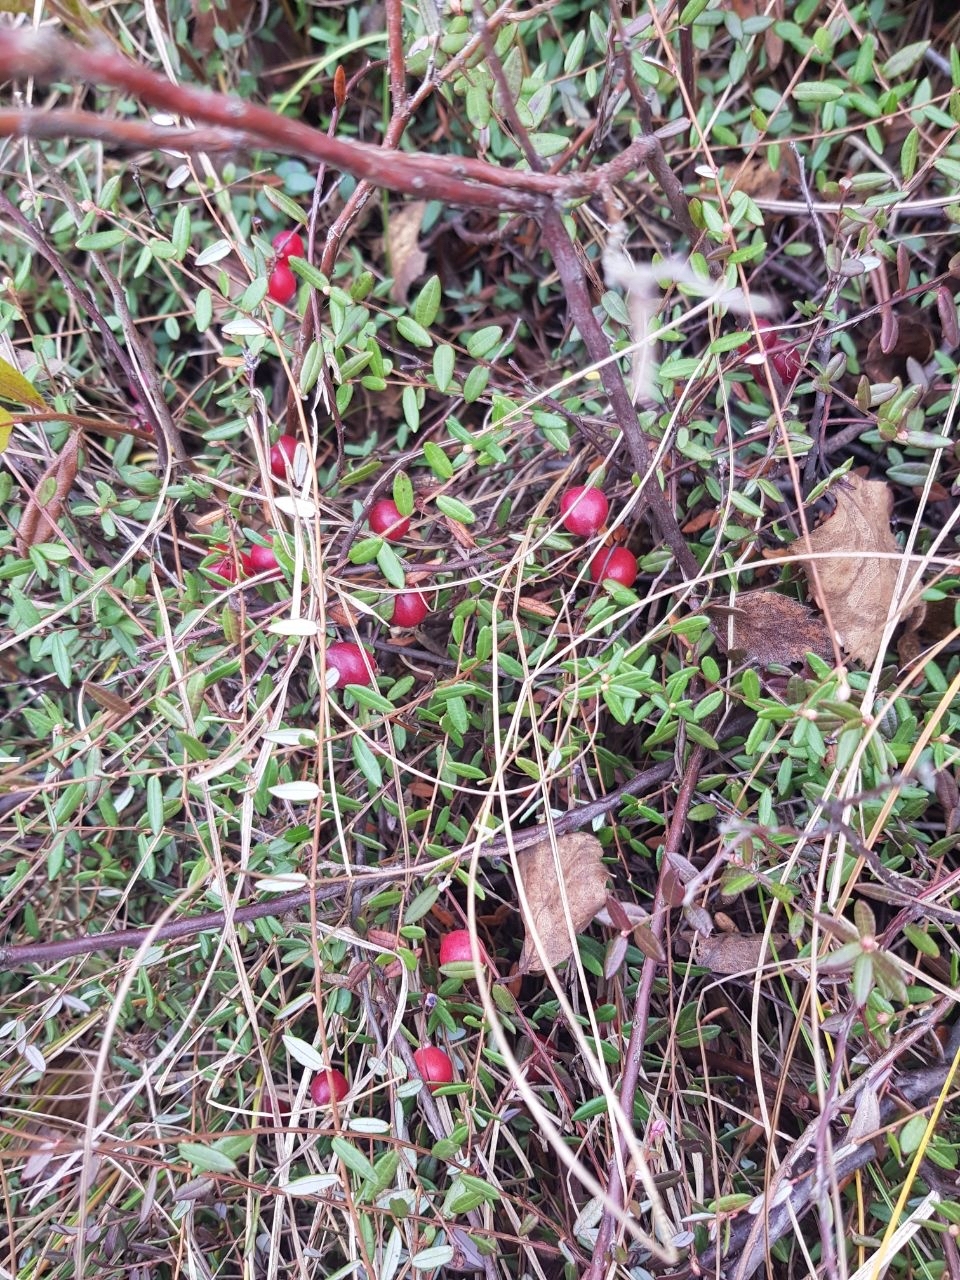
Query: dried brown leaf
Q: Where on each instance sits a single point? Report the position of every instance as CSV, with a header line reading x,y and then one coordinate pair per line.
x,y
38,523
767,628
741,953
585,880
407,259
856,587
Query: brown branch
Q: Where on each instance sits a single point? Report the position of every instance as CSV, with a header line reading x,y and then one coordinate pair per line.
x,y
750,1238
659,511
50,953
114,131
641,1014
455,179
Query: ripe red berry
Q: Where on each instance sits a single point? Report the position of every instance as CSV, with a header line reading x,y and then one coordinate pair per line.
x,y
409,609
785,360
281,454
328,1084
352,664
386,520
288,244
227,567
281,284
262,559
434,1065
455,948
616,563
584,510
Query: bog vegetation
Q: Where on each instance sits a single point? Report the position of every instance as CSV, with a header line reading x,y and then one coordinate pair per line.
x,y
479,636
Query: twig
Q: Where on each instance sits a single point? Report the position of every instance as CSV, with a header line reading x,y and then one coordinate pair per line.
x,y
456,180
568,266
750,1237
52,953
641,1014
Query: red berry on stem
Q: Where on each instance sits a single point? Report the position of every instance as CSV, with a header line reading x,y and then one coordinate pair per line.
x,y
227,567
281,284
288,244
386,520
262,559
329,1084
455,948
584,510
409,609
352,664
434,1065
281,454
616,563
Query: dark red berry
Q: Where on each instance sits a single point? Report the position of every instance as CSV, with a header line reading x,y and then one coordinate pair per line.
x,y
409,609
616,563
386,520
434,1065
584,510
288,244
784,359
281,284
328,1084
352,664
281,455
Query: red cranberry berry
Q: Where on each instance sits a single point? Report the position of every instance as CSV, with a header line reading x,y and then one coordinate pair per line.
x,y
584,510
288,244
409,609
262,559
281,284
281,455
616,563
328,1084
386,520
434,1065
227,567
352,664
455,948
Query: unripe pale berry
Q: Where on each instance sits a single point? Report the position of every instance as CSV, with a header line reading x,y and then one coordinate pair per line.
x,y
434,1065
288,244
281,284
281,455
328,1084
616,563
386,520
409,609
352,664
584,510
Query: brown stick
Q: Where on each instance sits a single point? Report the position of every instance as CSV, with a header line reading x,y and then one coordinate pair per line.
x,y
571,275
458,180
50,953
641,1015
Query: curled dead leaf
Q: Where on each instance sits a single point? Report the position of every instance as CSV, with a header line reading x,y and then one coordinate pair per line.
x,y
742,953
407,259
856,585
577,858
766,627
38,523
